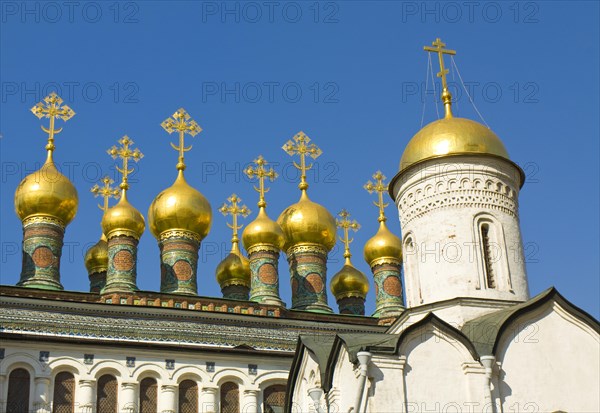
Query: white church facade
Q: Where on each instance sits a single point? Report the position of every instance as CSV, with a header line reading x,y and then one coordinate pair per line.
x,y
455,328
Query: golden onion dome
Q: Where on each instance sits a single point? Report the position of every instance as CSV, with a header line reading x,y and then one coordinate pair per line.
x,y
96,258
263,230
123,219
180,207
307,222
234,269
46,192
349,282
383,244
452,136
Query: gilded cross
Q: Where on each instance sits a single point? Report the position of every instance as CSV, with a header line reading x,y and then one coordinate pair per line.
x,y
261,173
125,153
300,146
439,49
346,224
234,209
181,122
379,187
106,191
52,109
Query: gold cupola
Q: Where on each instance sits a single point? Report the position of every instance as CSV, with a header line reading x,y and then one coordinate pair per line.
x,y
263,230
96,258
124,218
349,282
383,245
46,193
234,270
306,221
451,136
180,207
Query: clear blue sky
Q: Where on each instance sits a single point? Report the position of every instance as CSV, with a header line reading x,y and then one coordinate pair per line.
x,y
349,74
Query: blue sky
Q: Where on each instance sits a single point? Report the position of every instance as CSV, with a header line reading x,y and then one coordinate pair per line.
x,y
349,74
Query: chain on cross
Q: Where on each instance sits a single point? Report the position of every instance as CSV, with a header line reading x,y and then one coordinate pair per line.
x,y
346,225
379,187
106,191
261,173
300,146
51,108
438,47
182,123
125,153
234,209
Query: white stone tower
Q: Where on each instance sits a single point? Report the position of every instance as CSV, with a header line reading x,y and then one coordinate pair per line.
x,y
457,195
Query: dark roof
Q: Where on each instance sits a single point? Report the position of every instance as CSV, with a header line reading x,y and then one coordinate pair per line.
x,y
485,331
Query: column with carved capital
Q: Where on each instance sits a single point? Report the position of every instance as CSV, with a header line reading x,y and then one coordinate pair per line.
x,y
208,400
85,395
41,397
128,397
250,401
167,398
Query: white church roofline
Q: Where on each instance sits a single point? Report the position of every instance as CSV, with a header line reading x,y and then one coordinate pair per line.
x,y
485,332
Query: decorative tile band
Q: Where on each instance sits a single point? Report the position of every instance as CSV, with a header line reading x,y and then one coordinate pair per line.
x,y
308,275
352,305
42,249
235,292
265,276
122,264
179,265
388,289
97,281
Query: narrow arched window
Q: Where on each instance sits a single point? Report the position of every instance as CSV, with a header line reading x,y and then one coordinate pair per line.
x,y
64,393
274,399
107,394
188,397
148,395
230,398
488,265
411,272
17,399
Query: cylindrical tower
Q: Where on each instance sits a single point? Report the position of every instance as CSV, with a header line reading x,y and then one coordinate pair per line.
x,y
309,232
349,285
123,225
233,273
96,263
46,202
180,218
263,239
457,195
383,253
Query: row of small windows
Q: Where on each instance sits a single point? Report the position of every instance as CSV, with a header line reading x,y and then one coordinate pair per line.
x,y
107,395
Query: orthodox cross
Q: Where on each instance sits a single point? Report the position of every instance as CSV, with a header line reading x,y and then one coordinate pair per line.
x,y
379,187
234,209
300,146
439,49
346,225
261,173
182,123
125,153
106,191
52,109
